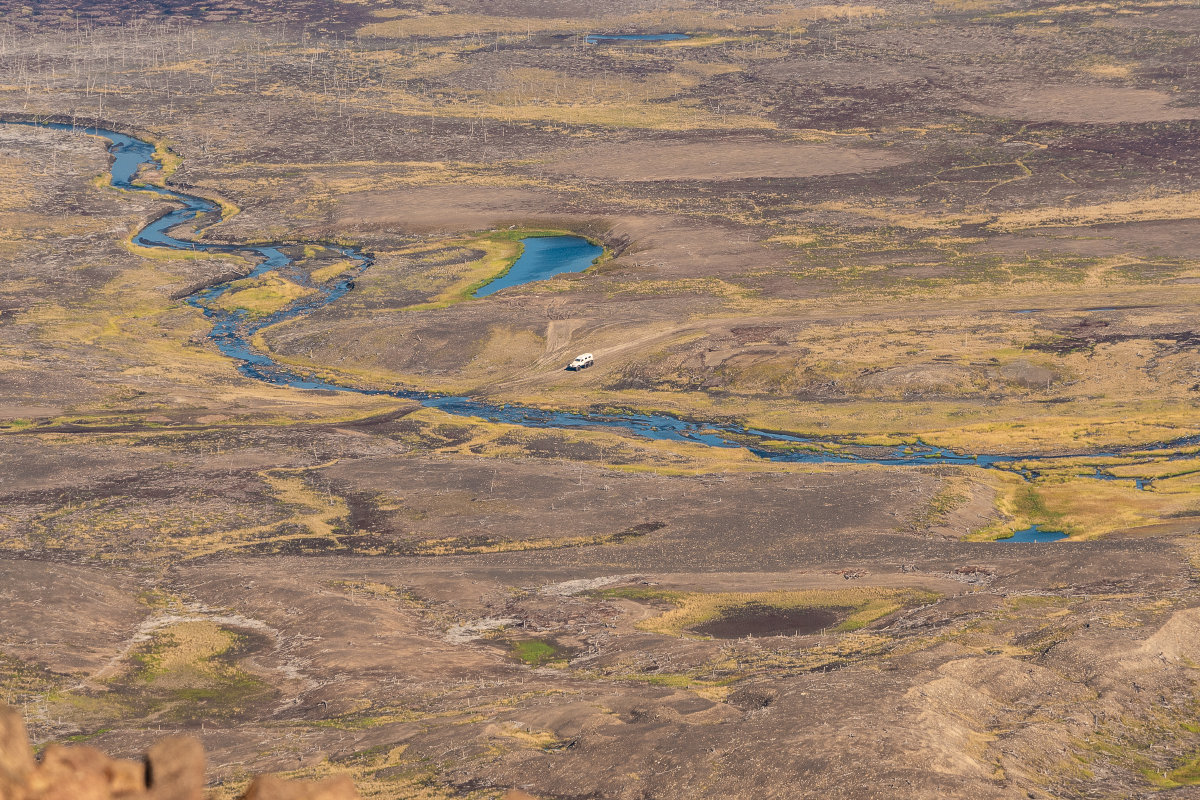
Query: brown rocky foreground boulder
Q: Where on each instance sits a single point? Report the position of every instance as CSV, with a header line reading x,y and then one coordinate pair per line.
x,y
173,769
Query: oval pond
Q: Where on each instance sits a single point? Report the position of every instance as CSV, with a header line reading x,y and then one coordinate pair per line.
x,y
544,257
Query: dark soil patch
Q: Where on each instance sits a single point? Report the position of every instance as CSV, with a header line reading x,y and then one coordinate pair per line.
x,y
644,529
1084,342
760,620
553,447
365,516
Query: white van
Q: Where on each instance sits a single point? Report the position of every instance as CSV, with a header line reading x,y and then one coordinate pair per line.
x,y
581,362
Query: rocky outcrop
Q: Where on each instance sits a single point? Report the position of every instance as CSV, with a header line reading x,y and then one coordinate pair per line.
x,y
173,769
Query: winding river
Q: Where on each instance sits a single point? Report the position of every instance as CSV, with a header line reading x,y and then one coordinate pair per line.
x,y
233,330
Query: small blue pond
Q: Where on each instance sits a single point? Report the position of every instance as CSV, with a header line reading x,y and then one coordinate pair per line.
x,y
1035,534
544,257
597,38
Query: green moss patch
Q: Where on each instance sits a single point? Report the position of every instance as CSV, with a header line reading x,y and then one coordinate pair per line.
x,y
539,652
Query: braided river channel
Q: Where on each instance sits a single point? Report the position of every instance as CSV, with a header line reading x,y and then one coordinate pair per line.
x,y
232,332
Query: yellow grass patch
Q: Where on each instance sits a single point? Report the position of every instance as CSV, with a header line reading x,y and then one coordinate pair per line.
x,y
1046,13
523,735
263,295
462,545
1088,508
508,348
367,589
332,271
376,774
1173,206
1167,207
499,256
180,654
610,101
167,158
1191,551
1108,68
16,190
905,219
967,6
314,514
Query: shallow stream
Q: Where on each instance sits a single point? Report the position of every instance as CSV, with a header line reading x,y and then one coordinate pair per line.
x,y
232,332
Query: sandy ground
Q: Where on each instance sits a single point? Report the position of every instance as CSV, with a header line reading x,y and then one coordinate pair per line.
x,y
715,161
1086,104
